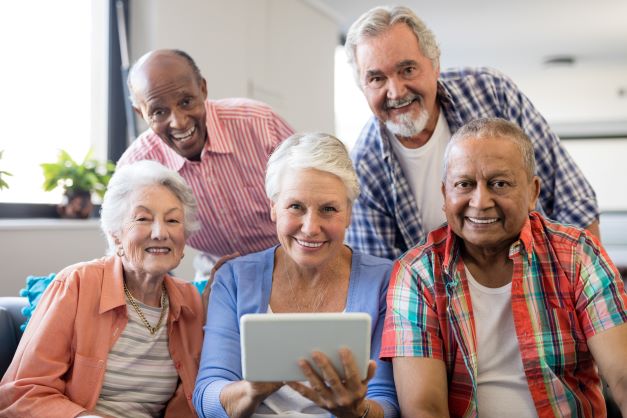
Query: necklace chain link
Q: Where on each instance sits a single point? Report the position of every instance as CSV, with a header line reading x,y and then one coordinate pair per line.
x,y
135,306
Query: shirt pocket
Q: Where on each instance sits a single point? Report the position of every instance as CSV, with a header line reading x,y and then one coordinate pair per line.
x,y
83,383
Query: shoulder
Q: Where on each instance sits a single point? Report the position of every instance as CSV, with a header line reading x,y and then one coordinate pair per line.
x,y
368,144
83,271
423,255
238,108
247,267
147,146
471,75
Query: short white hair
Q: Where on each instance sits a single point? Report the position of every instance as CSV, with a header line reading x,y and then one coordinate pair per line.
x,y
317,150
129,179
377,21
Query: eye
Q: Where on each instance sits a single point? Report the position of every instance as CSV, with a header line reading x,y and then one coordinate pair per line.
x,y
174,221
295,206
409,72
186,102
329,209
499,184
158,115
376,81
463,184
141,218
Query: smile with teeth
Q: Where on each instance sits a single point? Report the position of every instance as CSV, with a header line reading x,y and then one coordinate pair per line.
x,y
157,250
482,221
398,104
185,136
309,244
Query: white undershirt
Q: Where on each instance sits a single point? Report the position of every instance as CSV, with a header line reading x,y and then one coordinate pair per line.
x,y
502,388
423,169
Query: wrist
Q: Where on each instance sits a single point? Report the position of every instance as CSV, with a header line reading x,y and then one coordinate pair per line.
x,y
365,409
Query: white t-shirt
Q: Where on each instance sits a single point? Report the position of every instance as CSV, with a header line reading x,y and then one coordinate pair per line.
x,y
502,389
423,169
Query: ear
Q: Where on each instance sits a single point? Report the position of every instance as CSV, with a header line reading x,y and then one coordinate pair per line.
x,y
535,193
115,237
203,88
273,212
138,112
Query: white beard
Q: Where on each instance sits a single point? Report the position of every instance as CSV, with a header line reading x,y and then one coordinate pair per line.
x,y
407,126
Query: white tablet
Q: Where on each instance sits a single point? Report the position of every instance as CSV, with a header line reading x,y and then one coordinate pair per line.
x,y
273,343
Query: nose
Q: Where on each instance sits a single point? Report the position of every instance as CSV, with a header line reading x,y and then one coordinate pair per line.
x,y
159,230
311,224
481,197
396,88
178,119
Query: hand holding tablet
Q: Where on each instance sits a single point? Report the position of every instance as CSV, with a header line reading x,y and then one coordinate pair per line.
x,y
272,345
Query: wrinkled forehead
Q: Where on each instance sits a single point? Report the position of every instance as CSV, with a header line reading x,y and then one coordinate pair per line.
x,y
485,153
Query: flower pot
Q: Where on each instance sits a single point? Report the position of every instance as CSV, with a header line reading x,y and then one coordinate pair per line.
x,y
76,204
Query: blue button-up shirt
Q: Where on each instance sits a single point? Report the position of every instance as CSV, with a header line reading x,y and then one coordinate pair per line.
x,y
386,220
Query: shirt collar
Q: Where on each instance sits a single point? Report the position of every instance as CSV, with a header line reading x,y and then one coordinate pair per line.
x,y
453,243
112,295
218,139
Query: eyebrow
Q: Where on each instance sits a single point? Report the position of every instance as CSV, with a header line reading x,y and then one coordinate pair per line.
x,y
406,63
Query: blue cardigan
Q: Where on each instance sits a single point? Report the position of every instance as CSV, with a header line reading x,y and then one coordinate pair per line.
x,y
243,285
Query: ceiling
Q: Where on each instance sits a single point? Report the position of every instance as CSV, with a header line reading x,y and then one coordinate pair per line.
x,y
517,37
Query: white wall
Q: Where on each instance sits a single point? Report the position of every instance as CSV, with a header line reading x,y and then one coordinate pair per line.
x,y
276,51
43,246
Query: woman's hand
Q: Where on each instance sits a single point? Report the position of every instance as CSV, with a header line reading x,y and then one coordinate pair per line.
x,y
241,399
343,398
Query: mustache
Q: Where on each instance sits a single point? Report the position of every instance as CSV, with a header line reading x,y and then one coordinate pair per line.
x,y
394,103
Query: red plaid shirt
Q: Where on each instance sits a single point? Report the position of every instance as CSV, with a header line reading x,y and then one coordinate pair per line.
x,y
565,289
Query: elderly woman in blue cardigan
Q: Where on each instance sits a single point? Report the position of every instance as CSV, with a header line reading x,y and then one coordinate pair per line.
x,y
311,183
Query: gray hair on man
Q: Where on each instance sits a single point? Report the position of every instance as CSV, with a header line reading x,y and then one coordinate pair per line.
x,y
489,128
129,179
378,20
319,151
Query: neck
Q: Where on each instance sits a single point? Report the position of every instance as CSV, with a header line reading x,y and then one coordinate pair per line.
x,y
146,289
491,268
423,136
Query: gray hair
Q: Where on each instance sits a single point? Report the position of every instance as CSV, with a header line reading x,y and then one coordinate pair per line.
x,y
378,20
488,128
129,179
182,54
319,151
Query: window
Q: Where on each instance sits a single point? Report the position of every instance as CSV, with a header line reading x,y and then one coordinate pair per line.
x,y
53,83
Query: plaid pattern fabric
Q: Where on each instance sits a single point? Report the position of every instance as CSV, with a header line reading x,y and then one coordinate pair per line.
x,y
565,289
386,221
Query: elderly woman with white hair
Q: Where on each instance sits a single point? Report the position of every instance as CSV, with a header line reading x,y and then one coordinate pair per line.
x,y
117,336
311,183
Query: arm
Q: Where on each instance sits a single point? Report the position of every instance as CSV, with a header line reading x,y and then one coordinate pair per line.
x,y
220,390
609,349
34,385
421,387
566,194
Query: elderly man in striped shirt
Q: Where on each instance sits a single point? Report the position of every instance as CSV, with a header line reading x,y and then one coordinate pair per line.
x,y
220,147
503,312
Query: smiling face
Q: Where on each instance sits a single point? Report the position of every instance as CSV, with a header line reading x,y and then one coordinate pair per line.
x,y
311,214
487,193
153,233
171,99
399,82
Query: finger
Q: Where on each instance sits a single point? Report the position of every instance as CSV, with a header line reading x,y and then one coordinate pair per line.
x,y
330,375
351,371
372,368
315,380
305,391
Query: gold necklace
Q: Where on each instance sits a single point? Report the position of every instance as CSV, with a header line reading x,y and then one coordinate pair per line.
x,y
135,306
315,307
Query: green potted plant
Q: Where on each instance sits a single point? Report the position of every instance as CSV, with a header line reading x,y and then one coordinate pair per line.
x,y
79,181
3,183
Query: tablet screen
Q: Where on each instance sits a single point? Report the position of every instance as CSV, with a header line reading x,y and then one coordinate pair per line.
x,y
273,343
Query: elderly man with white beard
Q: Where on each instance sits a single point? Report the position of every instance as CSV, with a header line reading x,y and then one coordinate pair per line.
x,y
416,109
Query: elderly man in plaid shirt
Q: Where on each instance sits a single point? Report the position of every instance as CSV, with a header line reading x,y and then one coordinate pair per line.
x,y
416,109
503,312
